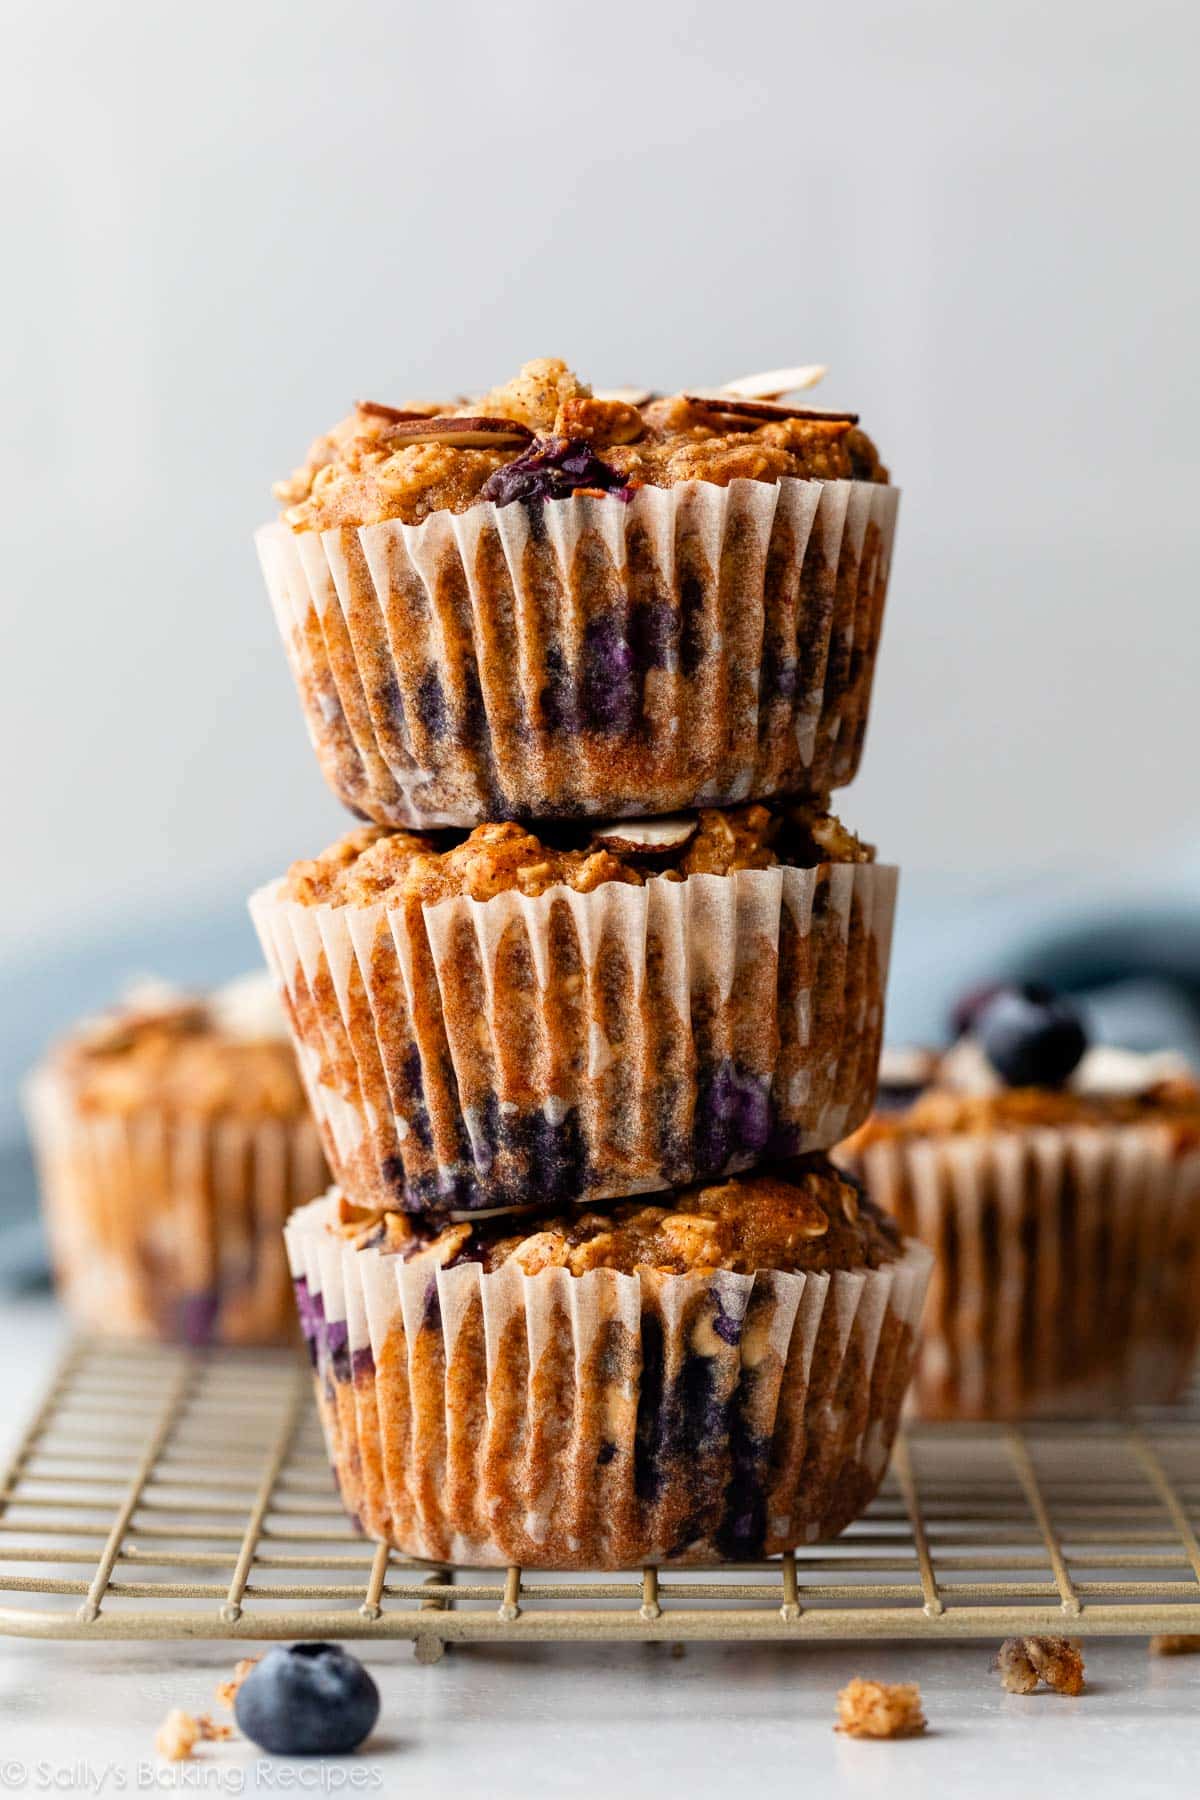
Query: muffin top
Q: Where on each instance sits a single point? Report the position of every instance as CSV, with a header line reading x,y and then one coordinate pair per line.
x,y
545,436
371,865
188,1055
926,1094
801,1216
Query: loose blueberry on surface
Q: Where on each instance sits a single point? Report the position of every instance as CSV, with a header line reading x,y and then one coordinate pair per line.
x,y
307,1700
1032,1036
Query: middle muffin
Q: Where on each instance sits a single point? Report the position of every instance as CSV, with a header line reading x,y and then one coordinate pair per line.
x,y
488,1020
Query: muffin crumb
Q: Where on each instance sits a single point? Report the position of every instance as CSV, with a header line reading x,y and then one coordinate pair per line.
x,y
1174,1643
1024,1662
177,1736
880,1709
227,1690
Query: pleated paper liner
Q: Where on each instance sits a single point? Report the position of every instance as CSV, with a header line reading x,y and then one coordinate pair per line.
x,y
604,1420
169,1227
696,645
1067,1265
574,1047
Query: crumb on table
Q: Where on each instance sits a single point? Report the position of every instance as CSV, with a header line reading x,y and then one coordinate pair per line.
x,y
227,1690
177,1736
1174,1643
1024,1662
880,1709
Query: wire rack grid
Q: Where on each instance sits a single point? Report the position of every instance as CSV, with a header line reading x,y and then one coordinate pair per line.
x,y
161,1493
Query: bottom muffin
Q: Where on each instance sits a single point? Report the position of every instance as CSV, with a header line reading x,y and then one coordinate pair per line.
x,y
713,1381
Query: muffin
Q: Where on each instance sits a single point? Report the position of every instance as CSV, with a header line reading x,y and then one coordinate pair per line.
x,y
576,1014
173,1139
1060,1192
546,603
715,1378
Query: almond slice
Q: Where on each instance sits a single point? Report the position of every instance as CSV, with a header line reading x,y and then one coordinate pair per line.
x,y
377,409
775,383
645,837
462,433
629,396
764,409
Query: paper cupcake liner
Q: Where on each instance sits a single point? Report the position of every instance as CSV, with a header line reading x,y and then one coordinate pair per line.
x,y
1067,1266
576,1047
170,1228
698,645
601,1421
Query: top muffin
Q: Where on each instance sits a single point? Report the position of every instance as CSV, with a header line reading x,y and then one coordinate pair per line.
x,y
544,436
548,603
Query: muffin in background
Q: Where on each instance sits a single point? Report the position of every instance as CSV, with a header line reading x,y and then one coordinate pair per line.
x,y
565,1016
1059,1189
173,1138
714,1377
549,603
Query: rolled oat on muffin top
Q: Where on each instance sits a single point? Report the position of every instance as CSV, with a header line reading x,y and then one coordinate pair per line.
x,y
544,435
807,1216
371,864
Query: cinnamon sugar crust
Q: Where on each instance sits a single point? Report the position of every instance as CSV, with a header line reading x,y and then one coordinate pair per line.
x,y
370,864
178,1059
942,1112
810,1218
368,468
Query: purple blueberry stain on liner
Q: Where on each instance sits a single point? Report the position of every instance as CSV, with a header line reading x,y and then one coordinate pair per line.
x,y
362,1363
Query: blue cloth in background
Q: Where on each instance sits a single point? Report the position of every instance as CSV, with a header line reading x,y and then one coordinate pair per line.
x,y
1134,964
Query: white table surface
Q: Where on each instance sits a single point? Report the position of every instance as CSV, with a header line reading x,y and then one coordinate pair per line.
x,y
598,1720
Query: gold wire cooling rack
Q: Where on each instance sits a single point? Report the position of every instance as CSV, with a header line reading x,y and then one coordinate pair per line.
x,y
161,1493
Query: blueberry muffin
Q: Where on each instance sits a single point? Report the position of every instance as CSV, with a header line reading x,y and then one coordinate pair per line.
x,y
717,1377
1059,1187
548,603
173,1139
578,1013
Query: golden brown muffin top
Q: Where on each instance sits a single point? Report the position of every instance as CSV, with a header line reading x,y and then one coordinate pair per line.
x,y
545,435
804,1216
186,1055
371,864
1110,1087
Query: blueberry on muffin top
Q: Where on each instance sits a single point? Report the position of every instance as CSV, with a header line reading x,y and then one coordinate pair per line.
x,y
546,436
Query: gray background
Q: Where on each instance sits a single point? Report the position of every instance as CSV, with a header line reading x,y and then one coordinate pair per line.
x,y
226,221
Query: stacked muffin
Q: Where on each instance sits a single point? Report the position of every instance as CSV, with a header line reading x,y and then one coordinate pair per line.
x,y
582,1006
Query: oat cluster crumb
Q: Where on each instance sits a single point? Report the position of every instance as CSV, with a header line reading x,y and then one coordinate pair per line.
x,y
177,1736
545,434
1175,1643
180,1732
802,1217
880,1709
371,864
227,1690
1056,1661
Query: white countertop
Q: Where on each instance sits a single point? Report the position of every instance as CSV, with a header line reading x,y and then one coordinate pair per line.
x,y
500,1721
